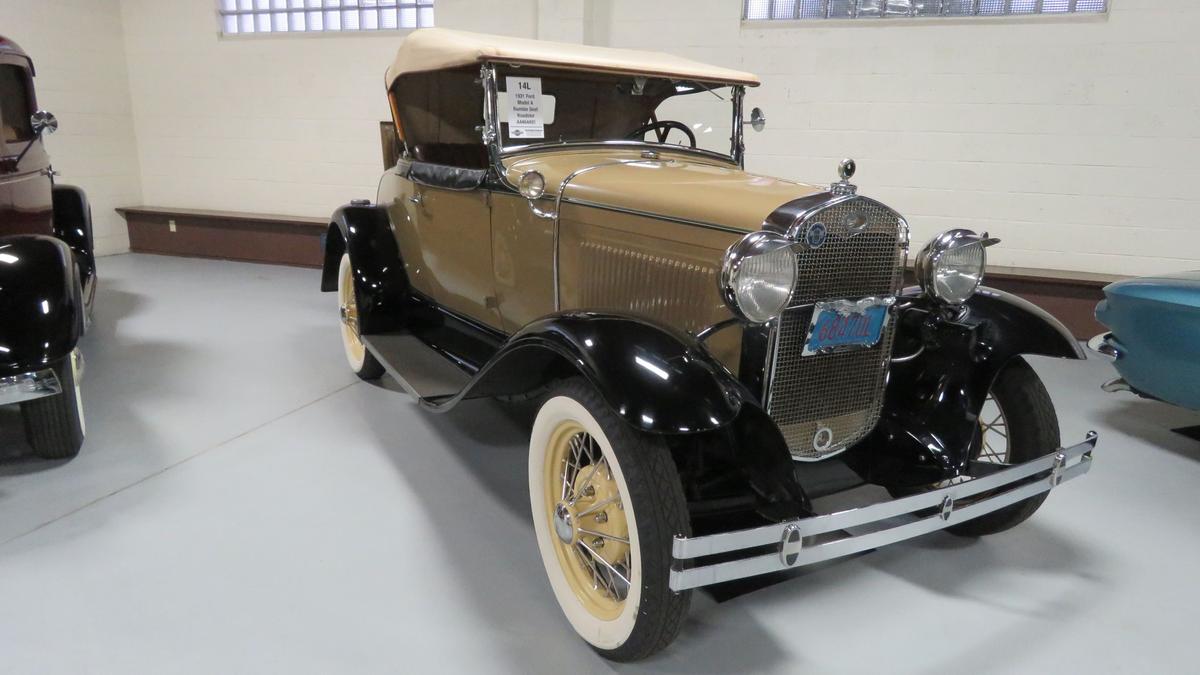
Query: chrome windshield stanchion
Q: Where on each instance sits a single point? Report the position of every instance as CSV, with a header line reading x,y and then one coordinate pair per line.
x,y
835,535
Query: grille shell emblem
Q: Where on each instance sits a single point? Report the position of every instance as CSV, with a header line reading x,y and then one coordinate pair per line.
x,y
815,235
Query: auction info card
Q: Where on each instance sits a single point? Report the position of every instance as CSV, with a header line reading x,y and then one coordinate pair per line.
x,y
525,107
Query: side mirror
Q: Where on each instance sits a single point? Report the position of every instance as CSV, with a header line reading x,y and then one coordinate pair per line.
x,y
758,119
43,122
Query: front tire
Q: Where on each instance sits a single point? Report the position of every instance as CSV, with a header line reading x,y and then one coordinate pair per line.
x,y
607,502
1021,426
54,425
361,360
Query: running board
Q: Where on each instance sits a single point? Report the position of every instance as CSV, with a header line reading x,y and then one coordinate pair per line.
x,y
420,369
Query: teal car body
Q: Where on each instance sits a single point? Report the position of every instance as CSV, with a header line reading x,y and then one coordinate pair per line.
x,y
1154,337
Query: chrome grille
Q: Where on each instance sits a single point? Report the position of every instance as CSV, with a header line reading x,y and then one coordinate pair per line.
x,y
842,391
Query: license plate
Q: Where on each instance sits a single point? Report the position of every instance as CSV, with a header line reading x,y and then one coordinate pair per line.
x,y
846,324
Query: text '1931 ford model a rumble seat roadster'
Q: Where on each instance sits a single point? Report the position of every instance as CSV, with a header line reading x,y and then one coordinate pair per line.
x,y
712,350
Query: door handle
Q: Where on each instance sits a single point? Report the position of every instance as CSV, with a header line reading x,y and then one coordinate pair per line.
x,y
417,198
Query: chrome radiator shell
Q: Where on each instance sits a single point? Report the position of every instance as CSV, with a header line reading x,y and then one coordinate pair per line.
x,y
839,394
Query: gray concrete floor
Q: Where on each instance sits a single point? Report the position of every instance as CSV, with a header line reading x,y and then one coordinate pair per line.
x,y
244,504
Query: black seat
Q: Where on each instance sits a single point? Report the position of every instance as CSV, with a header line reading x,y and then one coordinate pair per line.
x,y
462,155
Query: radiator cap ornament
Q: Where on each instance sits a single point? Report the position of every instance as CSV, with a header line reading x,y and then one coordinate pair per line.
x,y
846,170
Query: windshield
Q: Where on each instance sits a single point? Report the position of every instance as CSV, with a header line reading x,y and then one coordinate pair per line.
x,y
543,106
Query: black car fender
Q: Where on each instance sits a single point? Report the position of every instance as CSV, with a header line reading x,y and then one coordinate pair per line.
x,y
380,282
943,365
656,379
41,302
73,224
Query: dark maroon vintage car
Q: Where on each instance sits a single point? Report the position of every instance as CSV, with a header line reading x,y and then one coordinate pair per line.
x,y
47,270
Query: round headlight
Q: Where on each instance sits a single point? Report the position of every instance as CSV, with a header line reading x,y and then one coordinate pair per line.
x,y
951,265
758,275
532,185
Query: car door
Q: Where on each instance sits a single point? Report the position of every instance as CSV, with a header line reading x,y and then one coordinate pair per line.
x,y
441,216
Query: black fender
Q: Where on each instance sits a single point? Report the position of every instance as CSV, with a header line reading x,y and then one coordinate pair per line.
x,y
930,423
658,380
380,283
73,224
41,302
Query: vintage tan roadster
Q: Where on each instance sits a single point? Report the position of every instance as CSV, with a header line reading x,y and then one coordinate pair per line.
x,y
712,349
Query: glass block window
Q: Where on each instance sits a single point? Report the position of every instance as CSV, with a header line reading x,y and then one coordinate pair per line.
x,y
240,17
766,10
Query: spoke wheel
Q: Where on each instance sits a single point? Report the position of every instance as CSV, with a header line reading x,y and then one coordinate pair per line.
x,y
993,428
607,502
586,509
1018,424
361,361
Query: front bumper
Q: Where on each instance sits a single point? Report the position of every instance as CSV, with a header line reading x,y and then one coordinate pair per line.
x,y
1106,345
791,544
28,386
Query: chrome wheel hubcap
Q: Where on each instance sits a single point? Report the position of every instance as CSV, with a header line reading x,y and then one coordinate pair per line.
x,y
564,525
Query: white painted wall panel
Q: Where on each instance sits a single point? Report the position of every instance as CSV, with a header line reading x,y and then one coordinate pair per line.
x,y
1073,139
282,124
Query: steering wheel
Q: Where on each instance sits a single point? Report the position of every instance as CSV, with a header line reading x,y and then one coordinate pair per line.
x,y
661,128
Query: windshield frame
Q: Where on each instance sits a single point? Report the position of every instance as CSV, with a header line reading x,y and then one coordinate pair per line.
x,y
497,151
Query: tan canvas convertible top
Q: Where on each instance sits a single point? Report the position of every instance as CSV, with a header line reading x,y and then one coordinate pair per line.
x,y
440,48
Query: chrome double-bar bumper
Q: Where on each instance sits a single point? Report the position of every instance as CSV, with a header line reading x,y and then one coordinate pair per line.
x,y
28,386
818,538
1105,345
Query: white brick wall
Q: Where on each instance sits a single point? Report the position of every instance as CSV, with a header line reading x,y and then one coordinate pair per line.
x,y
1076,140
78,51
1073,139
276,124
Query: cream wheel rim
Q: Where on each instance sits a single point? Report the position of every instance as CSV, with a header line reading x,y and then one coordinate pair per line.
x,y
585,510
356,351
993,427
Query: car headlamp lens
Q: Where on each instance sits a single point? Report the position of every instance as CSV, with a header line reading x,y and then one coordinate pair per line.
x,y
950,267
758,275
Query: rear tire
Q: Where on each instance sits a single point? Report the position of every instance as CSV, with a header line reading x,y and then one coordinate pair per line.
x,y
361,360
1032,431
54,425
607,502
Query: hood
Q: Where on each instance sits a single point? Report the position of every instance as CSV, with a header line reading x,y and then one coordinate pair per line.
x,y
675,185
1182,288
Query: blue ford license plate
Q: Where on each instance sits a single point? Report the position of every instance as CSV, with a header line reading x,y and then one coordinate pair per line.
x,y
846,324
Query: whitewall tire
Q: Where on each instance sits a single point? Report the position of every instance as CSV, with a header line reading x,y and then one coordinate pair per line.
x,y
361,360
606,503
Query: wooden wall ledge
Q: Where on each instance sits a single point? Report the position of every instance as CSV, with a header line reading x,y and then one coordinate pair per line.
x,y
1094,279
1070,296
229,235
227,216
